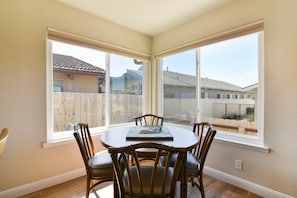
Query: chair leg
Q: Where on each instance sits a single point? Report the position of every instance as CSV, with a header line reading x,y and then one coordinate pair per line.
x,y
88,187
192,179
201,186
115,189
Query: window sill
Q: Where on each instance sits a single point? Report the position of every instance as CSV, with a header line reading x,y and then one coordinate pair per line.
x,y
254,147
60,142
231,142
53,143
95,132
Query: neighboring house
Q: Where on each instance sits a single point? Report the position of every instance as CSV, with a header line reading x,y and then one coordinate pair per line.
x,y
212,89
129,83
219,99
186,86
73,75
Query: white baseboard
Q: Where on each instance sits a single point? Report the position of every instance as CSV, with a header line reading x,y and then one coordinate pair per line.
x,y
244,184
51,181
41,184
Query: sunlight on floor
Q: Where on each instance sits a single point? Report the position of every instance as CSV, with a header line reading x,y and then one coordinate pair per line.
x,y
101,192
106,191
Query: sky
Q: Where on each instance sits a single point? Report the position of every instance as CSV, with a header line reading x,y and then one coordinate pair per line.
x,y
96,58
234,61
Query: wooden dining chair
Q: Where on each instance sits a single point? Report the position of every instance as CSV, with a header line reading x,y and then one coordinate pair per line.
x,y
3,139
149,120
146,179
196,158
98,165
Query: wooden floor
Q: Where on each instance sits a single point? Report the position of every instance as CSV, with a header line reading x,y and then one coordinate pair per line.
x,y
76,189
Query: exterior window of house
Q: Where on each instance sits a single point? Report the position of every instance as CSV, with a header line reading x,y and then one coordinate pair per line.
x,y
58,85
90,86
229,81
203,95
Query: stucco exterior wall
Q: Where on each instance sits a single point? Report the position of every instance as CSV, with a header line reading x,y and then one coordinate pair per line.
x,y
78,82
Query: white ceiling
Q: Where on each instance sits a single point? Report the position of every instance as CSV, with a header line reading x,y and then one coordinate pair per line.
x,y
150,17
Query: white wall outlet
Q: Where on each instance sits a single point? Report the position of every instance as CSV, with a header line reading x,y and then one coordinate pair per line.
x,y
238,164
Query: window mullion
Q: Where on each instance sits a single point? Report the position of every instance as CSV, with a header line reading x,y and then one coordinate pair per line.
x,y
107,88
49,82
198,90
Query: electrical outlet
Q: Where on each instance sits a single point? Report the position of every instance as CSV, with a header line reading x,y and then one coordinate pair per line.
x,y
238,164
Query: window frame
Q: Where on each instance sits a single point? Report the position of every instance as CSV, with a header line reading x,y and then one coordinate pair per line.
x,y
241,139
55,35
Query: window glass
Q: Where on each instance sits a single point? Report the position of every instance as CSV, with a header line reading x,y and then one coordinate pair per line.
x,y
77,83
125,89
229,71
179,88
228,85
78,78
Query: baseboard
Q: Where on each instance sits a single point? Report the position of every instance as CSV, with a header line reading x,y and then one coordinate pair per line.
x,y
41,184
51,181
244,184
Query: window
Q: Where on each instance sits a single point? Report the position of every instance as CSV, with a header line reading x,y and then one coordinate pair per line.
x,y
179,88
231,66
227,75
58,85
92,86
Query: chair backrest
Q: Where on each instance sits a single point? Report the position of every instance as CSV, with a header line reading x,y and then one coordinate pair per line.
x,y
3,139
147,179
149,120
84,141
206,133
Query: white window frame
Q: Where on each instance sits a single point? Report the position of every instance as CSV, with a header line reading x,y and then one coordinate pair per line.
x,y
247,139
53,137
240,139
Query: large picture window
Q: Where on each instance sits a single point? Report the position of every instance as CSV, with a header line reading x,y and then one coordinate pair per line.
x,y
229,84
219,83
91,86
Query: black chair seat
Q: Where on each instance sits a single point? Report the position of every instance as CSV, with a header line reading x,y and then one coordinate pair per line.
x,y
192,163
101,165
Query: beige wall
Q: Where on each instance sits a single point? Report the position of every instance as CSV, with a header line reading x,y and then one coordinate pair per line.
x,y
23,26
276,170
225,18
23,86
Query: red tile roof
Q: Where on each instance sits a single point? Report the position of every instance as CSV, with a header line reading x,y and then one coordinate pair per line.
x,y
71,64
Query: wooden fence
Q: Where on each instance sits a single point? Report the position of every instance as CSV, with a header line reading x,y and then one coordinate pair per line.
x,y
69,108
234,126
